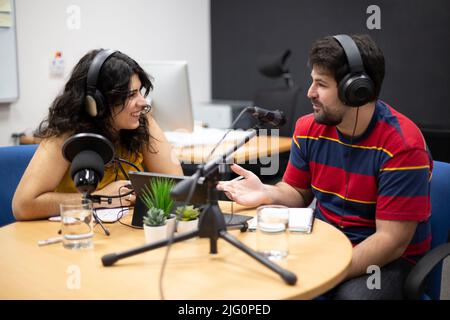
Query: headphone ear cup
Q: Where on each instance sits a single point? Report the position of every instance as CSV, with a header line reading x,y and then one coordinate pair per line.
x,y
342,89
356,90
91,106
360,91
95,105
101,102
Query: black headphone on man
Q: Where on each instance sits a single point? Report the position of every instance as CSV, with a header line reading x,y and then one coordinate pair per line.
x,y
356,88
95,101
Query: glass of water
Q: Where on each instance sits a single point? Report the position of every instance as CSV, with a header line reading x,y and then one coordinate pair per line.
x,y
272,235
77,225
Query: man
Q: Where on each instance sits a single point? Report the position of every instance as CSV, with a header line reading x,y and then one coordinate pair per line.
x,y
365,163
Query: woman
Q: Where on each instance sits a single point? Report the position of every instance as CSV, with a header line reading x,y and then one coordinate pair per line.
x,y
119,116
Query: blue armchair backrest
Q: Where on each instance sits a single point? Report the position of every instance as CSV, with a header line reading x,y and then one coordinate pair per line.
x,y
13,162
440,218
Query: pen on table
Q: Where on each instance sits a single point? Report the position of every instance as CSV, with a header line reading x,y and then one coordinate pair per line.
x,y
49,241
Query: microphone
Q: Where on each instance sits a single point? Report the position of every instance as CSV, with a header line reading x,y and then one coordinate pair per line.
x,y
273,117
183,189
88,153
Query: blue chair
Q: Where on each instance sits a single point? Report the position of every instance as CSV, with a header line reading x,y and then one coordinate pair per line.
x,y
424,280
13,162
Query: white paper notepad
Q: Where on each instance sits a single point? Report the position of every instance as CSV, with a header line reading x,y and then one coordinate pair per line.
x,y
301,219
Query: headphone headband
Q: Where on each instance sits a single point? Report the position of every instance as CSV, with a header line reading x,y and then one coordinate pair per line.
x,y
351,52
95,101
94,69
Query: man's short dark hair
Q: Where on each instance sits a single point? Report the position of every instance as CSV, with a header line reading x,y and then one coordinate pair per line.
x,y
327,53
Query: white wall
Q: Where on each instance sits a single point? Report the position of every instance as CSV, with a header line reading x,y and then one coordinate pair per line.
x,y
143,29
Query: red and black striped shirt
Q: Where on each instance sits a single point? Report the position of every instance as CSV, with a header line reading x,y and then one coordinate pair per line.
x,y
387,169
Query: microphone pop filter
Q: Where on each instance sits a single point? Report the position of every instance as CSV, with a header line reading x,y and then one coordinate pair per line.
x,y
88,142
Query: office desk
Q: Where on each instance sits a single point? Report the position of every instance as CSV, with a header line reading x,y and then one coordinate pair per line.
x,y
27,271
258,147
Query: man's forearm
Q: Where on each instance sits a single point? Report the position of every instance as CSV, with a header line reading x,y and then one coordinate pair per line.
x,y
284,194
378,250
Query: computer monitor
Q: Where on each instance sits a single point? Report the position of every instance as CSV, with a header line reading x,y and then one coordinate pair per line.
x,y
171,96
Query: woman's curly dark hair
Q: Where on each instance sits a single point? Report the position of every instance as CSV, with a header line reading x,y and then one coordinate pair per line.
x,y
68,115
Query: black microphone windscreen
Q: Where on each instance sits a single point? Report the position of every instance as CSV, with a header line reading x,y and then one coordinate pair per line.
x,y
273,117
283,120
88,141
87,160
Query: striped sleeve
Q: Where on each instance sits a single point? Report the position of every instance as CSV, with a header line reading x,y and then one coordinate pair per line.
x,y
404,188
297,173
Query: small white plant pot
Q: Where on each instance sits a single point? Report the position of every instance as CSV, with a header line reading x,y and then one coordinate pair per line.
x,y
171,223
186,226
155,234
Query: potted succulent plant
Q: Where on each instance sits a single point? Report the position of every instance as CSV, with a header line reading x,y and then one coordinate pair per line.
x,y
157,195
187,217
155,226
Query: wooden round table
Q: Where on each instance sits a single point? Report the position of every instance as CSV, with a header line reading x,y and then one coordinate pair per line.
x,y
319,260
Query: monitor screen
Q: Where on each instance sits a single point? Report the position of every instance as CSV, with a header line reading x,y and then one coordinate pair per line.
x,y
171,96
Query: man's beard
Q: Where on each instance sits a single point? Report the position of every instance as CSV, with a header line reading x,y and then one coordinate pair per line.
x,y
326,118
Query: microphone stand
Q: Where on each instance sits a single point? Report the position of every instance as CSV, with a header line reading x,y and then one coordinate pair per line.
x,y
211,223
97,199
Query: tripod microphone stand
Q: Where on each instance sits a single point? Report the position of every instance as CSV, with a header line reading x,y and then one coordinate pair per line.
x,y
100,199
97,199
211,223
88,154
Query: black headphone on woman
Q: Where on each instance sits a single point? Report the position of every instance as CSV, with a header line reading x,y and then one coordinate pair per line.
x,y
95,101
356,88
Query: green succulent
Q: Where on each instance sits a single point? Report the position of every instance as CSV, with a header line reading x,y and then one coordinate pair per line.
x,y
155,217
187,213
157,195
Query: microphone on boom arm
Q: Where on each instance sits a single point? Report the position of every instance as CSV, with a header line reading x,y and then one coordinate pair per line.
x,y
273,117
